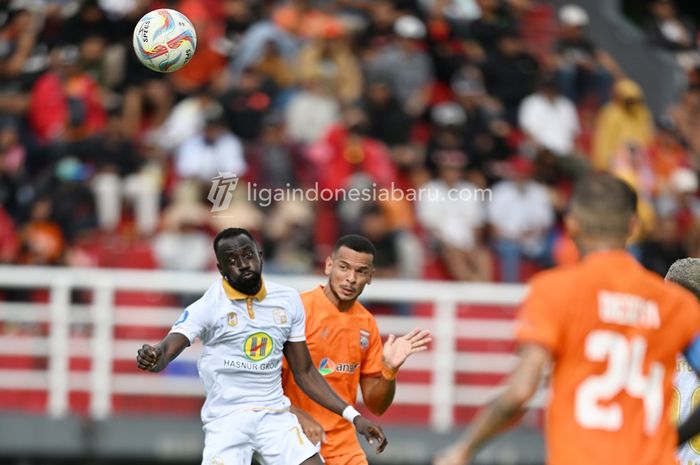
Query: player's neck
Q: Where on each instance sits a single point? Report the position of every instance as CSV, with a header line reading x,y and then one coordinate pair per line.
x,y
587,247
341,305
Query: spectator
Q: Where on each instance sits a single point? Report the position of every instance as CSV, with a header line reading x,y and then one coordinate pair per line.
x,y
521,215
287,238
448,120
214,150
625,120
581,67
245,105
312,111
510,73
274,160
452,213
666,153
388,121
485,130
549,120
65,104
329,55
494,22
405,64
686,114
667,29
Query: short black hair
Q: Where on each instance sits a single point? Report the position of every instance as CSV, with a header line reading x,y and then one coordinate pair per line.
x,y
603,205
686,272
229,233
357,243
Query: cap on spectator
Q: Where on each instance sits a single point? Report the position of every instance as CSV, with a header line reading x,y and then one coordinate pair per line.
x,y
450,158
409,27
627,89
684,180
448,114
573,15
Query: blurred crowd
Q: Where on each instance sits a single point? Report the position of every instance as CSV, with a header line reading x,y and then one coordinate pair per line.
x,y
105,163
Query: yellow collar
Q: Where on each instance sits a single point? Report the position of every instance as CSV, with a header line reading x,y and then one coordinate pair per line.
x,y
234,294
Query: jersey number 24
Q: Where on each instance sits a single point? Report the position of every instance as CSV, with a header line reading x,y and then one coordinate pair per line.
x,y
624,373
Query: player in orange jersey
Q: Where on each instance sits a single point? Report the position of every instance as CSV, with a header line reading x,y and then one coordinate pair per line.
x,y
345,346
612,331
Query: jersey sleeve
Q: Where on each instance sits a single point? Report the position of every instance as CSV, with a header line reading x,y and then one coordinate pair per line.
x,y
297,332
539,319
193,322
372,357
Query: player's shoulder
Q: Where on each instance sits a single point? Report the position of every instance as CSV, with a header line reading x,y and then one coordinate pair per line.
x,y
557,280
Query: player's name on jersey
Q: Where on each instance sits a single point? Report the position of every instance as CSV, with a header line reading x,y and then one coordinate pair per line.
x,y
682,366
251,366
628,310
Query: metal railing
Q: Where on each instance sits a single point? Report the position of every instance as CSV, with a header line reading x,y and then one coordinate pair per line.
x,y
443,361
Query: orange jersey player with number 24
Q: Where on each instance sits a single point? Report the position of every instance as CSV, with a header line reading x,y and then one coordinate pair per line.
x,y
611,331
346,349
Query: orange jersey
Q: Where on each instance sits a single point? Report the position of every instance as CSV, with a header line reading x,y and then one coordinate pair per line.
x,y
344,346
614,330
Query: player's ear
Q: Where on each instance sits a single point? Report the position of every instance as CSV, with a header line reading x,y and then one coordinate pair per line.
x,y
634,225
329,266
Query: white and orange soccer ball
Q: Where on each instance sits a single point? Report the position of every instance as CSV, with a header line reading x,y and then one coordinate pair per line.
x,y
164,40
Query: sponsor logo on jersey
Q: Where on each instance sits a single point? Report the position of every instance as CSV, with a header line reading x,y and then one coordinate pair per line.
x,y
216,461
182,318
328,366
364,338
232,319
258,346
279,315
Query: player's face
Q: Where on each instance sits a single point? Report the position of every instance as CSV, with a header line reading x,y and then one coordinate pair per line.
x,y
348,273
239,261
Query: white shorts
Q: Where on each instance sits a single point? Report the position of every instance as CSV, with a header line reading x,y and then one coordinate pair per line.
x,y
277,438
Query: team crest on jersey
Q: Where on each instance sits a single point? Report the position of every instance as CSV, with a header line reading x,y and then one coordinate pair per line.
x,y
364,339
258,346
232,319
216,461
279,315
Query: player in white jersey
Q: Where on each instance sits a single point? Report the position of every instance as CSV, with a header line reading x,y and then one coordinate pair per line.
x,y
246,325
686,272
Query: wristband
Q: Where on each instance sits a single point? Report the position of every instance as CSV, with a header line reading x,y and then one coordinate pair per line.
x,y
389,374
350,413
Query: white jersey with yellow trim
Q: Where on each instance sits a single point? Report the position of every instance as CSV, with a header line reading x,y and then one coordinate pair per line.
x,y
687,391
243,338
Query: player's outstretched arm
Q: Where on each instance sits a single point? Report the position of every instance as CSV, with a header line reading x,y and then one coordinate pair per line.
x,y
156,358
378,391
312,383
504,410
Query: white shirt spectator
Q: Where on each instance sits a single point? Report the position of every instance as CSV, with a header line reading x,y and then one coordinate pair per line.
x,y
552,123
521,214
452,213
309,116
198,159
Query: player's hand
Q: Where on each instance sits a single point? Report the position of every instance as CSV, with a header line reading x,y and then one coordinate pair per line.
x,y
312,429
455,455
148,357
398,349
373,433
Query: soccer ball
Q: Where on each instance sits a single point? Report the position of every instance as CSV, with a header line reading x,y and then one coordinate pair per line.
x,y
164,40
